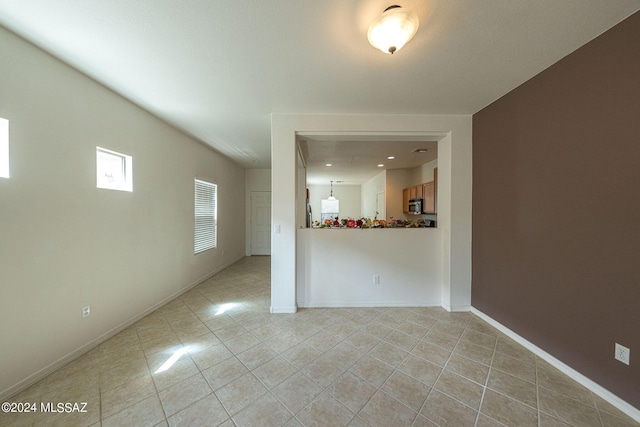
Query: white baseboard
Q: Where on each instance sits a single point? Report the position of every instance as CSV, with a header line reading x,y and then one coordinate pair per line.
x,y
456,308
52,367
596,388
283,310
351,304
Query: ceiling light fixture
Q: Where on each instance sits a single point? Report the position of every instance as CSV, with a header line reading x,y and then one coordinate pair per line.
x,y
393,29
380,165
390,157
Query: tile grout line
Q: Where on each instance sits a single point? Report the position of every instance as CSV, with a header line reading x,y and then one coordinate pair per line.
x,y
155,386
355,414
396,369
268,390
324,390
486,381
229,417
436,380
595,405
433,387
213,391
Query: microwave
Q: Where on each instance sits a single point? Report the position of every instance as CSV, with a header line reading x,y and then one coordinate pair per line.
x,y
415,206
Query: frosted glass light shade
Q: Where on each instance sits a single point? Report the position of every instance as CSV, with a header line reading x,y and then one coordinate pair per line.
x,y
393,29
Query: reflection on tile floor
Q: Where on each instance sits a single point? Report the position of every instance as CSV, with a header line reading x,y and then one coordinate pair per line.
x,y
215,356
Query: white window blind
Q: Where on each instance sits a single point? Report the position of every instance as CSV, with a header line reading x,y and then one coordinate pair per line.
x,y
206,215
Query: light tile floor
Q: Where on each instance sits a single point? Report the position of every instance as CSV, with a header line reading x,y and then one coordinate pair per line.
x,y
215,356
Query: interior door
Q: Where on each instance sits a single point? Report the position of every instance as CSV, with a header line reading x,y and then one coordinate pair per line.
x,y
381,205
260,223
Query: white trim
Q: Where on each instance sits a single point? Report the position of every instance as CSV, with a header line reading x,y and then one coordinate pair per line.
x,y
572,373
49,369
351,304
283,310
456,308
454,189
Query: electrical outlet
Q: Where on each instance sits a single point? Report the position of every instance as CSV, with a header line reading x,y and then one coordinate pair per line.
x,y
622,354
86,311
376,279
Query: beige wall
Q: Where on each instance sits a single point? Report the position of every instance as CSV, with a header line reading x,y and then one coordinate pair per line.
x,y
370,190
397,180
348,195
65,244
424,173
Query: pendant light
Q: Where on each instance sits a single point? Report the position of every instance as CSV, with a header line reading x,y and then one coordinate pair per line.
x,y
393,29
331,197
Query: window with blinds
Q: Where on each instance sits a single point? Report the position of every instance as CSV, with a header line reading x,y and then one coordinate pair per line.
x,y
206,215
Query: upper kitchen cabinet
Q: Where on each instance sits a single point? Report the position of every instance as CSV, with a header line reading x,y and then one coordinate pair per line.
x,y
415,192
429,195
406,196
429,199
428,192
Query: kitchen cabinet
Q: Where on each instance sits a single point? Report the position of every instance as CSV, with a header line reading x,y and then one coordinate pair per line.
x,y
410,193
406,196
428,192
430,195
429,199
415,192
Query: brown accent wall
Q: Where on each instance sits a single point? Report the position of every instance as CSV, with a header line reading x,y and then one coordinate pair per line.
x,y
556,209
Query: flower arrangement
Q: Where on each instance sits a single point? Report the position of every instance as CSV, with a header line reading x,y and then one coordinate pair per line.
x,y
362,223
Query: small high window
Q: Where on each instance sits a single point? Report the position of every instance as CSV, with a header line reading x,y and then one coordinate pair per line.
x,y
206,215
114,170
4,148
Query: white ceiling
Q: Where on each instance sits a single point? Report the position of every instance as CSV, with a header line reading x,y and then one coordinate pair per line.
x,y
355,159
217,69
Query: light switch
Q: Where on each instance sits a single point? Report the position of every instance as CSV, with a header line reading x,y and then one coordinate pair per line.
x,y
276,229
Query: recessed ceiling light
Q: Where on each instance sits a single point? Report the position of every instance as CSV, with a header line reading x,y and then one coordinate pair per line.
x,y
391,157
380,165
420,150
328,164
